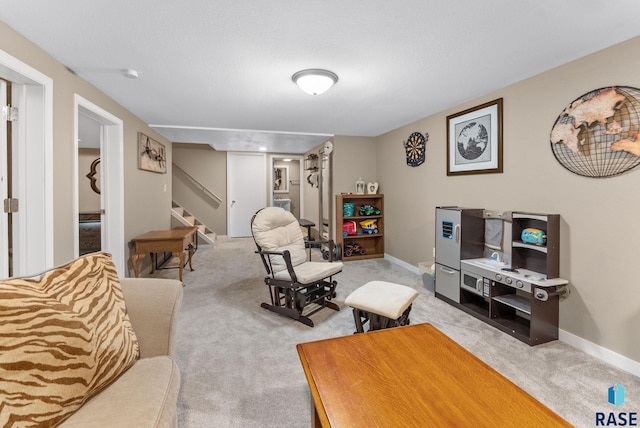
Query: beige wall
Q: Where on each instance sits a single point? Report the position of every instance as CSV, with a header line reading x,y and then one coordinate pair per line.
x,y
209,167
354,158
146,204
600,227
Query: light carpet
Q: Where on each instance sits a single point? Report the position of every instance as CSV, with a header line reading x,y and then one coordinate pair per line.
x,y
240,367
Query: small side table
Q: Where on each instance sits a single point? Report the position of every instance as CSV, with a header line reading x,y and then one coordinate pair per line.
x,y
173,241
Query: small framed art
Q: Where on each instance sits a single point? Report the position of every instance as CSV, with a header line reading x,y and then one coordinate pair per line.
x,y
151,154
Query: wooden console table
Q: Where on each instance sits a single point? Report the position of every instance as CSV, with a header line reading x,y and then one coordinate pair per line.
x,y
173,241
412,376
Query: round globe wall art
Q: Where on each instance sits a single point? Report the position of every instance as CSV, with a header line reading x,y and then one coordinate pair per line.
x,y
597,134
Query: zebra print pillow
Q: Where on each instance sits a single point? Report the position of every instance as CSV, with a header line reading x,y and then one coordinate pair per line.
x,y
64,335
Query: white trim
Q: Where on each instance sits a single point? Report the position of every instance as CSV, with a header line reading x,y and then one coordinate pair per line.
x,y
4,218
600,352
34,249
112,180
205,128
597,351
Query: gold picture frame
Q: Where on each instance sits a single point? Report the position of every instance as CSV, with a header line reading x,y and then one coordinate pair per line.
x,y
474,140
152,155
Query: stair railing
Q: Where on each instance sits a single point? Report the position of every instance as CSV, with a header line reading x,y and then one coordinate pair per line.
x,y
200,186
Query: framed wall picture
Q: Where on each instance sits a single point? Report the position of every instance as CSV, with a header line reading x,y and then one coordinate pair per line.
x,y
151,154
474,139
281,179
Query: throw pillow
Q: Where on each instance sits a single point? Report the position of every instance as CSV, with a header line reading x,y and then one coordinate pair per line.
x,y
64,335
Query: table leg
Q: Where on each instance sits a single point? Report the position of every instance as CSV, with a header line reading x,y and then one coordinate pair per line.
x,y
154,261
315,418
191,251
180,255
134,263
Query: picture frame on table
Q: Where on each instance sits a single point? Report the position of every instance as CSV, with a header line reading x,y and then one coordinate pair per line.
x,y
474,140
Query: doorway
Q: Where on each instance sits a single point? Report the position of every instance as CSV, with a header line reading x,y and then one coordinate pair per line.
x,y
31,167
287,183
109,130
246,191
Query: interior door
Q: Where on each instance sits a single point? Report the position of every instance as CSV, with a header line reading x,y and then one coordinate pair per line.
x,y
5,246
246,190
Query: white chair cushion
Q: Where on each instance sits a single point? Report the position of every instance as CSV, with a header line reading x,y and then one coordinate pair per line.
x,y
383,298
276,229
310,272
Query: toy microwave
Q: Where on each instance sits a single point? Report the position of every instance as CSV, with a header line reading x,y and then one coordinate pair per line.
x,y
535,236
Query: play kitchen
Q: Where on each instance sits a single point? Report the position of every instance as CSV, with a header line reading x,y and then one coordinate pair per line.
x,y
502,268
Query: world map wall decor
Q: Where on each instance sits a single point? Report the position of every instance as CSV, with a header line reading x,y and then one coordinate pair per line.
x,y
597,134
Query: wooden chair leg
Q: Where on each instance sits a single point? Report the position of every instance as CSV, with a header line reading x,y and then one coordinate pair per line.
x,y
358,319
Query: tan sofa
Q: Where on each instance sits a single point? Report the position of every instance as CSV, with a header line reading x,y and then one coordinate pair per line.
x,y
146,394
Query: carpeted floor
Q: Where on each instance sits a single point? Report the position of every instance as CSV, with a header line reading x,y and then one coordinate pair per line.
x,y
240,367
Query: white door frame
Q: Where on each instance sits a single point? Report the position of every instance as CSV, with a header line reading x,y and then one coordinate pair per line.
x,y
259,178
111,180
32,163
300,158
4,217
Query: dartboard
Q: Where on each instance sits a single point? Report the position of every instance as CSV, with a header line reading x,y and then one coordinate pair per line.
x,y
415,147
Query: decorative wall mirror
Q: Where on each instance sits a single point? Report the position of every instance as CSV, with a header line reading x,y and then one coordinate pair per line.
x,y
281,179
94,175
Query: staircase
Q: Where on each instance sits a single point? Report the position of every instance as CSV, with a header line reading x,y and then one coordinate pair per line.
x,y
206,237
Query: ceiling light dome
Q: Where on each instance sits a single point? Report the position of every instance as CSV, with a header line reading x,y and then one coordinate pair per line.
x,y
315,81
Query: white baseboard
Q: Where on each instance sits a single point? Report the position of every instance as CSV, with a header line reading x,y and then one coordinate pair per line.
x,y
600,352
402,263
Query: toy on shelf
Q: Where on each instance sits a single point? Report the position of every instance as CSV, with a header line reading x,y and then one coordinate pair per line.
x,y
348,228
535,236
368,210
353,248
369,226
348,209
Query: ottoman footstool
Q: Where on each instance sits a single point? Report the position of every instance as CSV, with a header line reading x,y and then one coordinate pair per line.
x,y
383,304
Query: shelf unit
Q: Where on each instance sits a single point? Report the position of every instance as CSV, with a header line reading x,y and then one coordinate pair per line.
x,y
538,258
373,244
518,312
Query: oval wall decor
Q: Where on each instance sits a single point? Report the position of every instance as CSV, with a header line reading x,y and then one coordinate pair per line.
x,y
597,134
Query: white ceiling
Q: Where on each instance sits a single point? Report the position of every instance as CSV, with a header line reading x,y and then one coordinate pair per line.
x,y
219,72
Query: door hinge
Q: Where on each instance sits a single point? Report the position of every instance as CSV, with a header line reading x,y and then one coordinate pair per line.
x,y
10,114
10,205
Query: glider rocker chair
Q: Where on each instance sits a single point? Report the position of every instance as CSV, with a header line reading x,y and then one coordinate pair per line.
x,y
294,282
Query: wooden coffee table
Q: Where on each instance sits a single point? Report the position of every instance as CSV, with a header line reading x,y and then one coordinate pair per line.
x,y
412,376
173,241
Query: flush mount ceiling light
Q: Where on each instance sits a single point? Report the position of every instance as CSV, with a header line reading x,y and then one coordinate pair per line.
x,y
314,81
130,73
